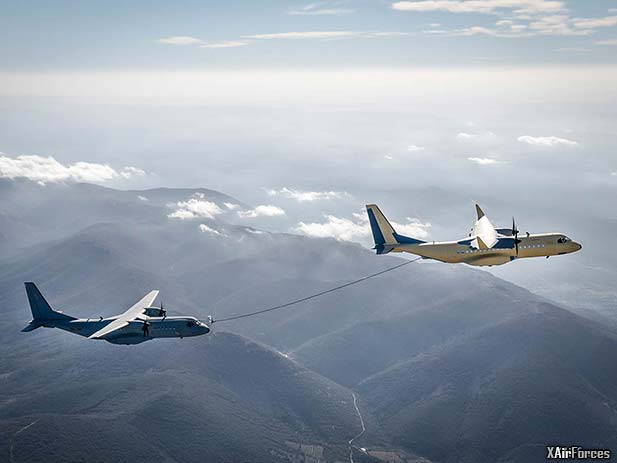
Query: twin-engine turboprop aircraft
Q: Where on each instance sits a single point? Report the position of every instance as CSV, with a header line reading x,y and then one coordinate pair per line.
x,y
485,245
140,323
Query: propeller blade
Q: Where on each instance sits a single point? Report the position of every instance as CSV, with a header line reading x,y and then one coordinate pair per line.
x,y
515,233
514,230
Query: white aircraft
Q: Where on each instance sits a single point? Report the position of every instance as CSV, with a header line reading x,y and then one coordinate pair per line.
x,y
138,324
485,245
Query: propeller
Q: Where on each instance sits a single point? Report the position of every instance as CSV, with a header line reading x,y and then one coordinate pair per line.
x,y
515,233
162,312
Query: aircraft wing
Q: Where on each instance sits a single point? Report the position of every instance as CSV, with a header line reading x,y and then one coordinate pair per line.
x,y
483,231
123,320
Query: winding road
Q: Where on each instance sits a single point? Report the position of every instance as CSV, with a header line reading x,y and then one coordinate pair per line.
x,y
351,441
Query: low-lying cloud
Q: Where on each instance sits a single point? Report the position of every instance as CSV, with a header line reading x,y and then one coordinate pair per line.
x,y
262,211
48,170
345,229
303,196
483,161
195,207
206,229
480,136
551,141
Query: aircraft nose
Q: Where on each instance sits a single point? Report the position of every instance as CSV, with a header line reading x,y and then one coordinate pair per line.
x,y
577,246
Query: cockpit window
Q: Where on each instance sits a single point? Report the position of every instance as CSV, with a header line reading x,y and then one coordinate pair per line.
x,y
564,239
190,324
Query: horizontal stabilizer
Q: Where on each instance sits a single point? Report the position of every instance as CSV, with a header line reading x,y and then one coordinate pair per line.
x,y
32,326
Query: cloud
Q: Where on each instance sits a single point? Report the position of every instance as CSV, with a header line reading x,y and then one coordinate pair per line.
x,y
47,170
324,35
482,136
142,198
414,148
614,174
195,207
231,206
180,40
594,23
522,18
294,35
254,231
606,42
546,141
345,229
130,171
555,25
480,6
388,157
483,161
262,211
226,44
320,9
206,229
303,196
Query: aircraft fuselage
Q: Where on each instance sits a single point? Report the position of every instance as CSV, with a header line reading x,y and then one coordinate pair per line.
x,y
537,245
134,333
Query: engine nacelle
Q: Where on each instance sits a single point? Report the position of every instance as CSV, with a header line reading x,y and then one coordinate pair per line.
x,y
155,312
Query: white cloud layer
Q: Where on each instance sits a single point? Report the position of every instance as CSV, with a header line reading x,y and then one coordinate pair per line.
x,y
320,9
195,207
482,136
47,170
483,161
481,6
226,44
414,148
206,229
520,18
262,211
324,35
180,40
551,141
345,229
303,196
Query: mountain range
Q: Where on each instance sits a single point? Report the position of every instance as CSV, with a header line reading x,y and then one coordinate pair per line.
x,y
447,363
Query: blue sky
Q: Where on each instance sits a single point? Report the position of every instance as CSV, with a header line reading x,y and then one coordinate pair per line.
x,y
63,35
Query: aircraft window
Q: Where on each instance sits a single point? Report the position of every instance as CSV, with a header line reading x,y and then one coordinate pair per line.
x,y
190,324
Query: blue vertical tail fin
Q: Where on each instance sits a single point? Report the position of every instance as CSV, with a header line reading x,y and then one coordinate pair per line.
x,y
41,310
384,235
